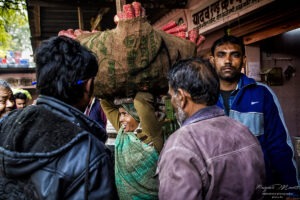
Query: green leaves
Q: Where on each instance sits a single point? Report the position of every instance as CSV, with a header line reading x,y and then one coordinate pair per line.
x,y
14,27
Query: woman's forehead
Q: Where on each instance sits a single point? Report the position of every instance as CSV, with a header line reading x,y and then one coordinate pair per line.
x,y
122,110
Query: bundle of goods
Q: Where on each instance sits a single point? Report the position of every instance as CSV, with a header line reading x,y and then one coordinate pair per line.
x,y
181,31
134,56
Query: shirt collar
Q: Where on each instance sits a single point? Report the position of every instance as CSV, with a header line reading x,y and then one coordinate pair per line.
x,y
205,113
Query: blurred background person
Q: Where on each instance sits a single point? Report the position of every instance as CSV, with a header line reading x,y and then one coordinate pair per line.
x,y
7,101
21,97
95,112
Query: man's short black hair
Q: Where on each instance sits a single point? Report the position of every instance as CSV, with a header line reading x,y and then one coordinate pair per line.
x,y
197,77
62,66
228,39
20,95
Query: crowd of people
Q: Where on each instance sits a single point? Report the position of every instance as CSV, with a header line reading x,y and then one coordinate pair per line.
x,y
232,141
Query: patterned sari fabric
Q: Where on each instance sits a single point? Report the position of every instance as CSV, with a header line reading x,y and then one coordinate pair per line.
x,y
135,166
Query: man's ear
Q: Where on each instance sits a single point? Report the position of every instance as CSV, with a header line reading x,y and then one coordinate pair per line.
x,y
244,61
182,97
212,60
89,86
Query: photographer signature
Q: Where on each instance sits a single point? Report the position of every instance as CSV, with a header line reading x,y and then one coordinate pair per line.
x,y
278,187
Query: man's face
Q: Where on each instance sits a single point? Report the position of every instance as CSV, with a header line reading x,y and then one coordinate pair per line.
x,y
179,113
127,121
20,103
7,102
228,61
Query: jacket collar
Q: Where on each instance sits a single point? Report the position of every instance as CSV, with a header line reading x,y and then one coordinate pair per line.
x,y
72,114
205,113
245,81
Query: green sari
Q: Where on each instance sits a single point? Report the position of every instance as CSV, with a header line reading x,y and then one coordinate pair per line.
x,y
135,167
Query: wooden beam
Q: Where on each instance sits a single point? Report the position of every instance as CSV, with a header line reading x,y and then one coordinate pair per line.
x,y
171,4
272,31
266,19
275,14
37,21
70,4
119,5
80,18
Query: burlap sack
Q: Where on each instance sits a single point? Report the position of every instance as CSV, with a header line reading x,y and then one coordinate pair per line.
x,y
134,57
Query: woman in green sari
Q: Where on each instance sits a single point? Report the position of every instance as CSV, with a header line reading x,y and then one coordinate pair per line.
x,y
137,146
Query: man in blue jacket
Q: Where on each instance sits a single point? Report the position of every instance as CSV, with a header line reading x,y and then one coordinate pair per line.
x,y
51,150
256,106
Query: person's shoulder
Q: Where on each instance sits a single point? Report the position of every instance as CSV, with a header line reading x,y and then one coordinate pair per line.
x,y
265,91
84,150
10,118
87,140
238,129
261,84
183,137
253,86
252,83
175,138
232,123
84,146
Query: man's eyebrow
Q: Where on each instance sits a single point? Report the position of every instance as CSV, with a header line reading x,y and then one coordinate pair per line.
x,y
225,50
236,51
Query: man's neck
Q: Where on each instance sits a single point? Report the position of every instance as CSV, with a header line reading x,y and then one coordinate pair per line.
x,y
193,108
227,86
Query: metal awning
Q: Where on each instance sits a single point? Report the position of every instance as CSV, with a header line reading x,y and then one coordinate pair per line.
x,y
47,18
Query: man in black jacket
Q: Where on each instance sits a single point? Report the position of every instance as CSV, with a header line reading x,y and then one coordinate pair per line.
x,y
51,150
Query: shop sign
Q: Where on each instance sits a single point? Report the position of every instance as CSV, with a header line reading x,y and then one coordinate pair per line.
x,y
222,11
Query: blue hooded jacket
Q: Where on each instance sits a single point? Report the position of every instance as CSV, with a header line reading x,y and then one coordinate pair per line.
x,y
256,106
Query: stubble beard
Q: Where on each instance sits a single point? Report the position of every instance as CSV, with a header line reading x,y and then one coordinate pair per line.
x,y
180,115
232,77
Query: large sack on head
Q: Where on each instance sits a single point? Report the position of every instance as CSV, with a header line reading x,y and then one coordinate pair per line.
x,y
134,57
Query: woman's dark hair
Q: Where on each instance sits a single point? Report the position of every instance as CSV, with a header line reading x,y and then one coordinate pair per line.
x,y
62,65
20,95
197,77
228,39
